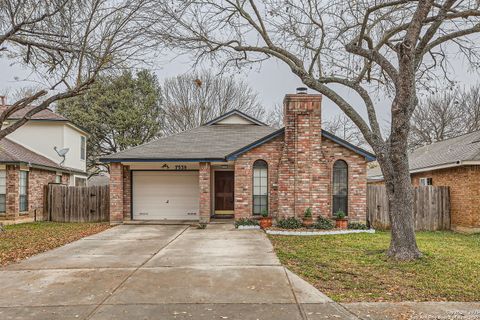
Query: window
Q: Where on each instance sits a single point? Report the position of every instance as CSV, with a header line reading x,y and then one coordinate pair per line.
x,y
23,186
83,145
425,181
3,191
260,187
80,182
340,187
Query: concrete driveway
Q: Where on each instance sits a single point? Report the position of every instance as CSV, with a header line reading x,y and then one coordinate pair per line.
x,y
162,272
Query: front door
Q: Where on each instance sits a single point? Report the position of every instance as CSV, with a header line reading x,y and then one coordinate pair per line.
x,y
224,192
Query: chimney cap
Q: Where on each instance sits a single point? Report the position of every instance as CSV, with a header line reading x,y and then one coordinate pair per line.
x,y
302,90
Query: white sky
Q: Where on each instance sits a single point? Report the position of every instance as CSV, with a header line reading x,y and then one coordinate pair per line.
x,y
272,80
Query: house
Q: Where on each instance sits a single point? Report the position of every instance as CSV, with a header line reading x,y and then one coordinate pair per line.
x,y
236,166
29,161
454,163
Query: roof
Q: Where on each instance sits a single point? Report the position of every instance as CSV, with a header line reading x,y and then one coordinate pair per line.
x,y
461,150
208,143
45,114
12,152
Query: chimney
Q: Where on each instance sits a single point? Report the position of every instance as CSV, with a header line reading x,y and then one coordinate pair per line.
x,y
3,101
300,165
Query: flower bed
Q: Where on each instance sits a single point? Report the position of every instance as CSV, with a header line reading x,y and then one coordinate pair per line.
x,y
313,232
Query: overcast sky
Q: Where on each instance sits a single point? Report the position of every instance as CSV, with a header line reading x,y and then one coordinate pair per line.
x,y
272,80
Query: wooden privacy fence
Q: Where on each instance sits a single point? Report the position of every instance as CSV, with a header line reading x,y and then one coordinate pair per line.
x,y
77,204
431,208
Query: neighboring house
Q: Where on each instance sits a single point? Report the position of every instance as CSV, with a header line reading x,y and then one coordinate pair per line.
x,y
237,166
28,162
454,163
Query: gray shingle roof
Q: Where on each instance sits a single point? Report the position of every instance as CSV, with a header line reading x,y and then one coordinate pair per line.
x,y
45,114
205,142
451,151
12,152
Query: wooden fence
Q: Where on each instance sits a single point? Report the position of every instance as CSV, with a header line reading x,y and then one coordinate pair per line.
x,y
77,204
431,208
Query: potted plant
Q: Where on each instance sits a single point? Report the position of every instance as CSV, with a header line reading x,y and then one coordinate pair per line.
x,y
265,220
307,218
340,221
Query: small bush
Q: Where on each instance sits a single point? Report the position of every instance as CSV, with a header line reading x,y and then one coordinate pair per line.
x,y
324,224
264,213
357,226
340,215
246,222
290,223
308,213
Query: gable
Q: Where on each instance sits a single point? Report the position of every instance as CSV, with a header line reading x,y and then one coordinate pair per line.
x,y
235,119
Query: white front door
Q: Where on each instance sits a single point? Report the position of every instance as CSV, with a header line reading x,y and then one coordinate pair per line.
x,y
165,195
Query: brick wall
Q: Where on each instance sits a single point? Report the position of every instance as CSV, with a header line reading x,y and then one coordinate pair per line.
x,y
127,193
464,183
205,173
269,152
37,180
300,167
116,193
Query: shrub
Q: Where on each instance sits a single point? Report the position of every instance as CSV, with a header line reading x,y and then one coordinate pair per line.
x,y
324,223
357,226
264,213
290,223
308,213
246,222
340,215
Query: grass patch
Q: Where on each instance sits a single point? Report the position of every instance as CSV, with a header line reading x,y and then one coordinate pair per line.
x,y
20,241
354,267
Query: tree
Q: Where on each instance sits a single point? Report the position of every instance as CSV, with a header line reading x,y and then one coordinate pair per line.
x,y
444,116
393,48
343,127
191,100
119,112
67,44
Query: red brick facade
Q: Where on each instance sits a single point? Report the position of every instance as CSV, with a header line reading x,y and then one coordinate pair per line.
x,y
464,183
300,164
37,180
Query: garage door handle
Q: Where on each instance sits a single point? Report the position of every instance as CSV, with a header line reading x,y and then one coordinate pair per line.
x,y
167,201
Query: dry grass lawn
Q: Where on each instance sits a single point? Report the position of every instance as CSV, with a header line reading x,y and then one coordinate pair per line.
x,y
354,267
20,241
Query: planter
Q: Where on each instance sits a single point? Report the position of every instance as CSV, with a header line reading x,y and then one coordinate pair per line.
x,y
308,222
341,223
266,222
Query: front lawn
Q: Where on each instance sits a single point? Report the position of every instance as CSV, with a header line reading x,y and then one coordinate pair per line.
x,y
354,267
24,240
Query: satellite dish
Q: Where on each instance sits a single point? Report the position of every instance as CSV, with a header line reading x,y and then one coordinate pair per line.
x,y
62,153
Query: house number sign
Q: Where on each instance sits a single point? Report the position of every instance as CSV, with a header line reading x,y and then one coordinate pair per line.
x,y
176,167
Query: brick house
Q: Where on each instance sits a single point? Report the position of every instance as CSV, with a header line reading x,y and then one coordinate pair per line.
x,y
28,162
237,166
454,163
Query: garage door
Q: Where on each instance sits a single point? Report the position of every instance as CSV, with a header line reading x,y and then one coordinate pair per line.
x,y
161,195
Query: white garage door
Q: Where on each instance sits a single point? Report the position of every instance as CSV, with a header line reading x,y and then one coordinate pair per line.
x,y
162,195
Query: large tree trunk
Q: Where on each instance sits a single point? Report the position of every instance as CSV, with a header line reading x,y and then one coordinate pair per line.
x,y
403,245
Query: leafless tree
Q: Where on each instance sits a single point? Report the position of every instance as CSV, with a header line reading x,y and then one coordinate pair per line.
x,y
445,115
343,127
191,100
274,116
67,44
392,48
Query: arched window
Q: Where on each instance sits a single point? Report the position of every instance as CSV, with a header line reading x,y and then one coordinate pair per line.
x,y
260,187
340,187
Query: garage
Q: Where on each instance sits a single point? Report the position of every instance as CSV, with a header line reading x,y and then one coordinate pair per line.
x,y
165,195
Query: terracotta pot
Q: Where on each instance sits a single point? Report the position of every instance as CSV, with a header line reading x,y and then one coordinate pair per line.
x,y
308,222
341,223
265,222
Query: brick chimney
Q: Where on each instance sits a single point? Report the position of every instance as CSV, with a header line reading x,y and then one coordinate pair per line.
x,y
300,171
3,101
